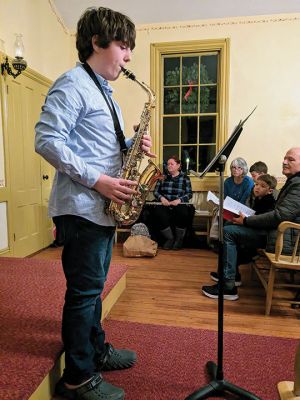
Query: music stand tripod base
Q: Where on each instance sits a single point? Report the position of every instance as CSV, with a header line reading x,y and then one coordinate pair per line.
x,y
219,387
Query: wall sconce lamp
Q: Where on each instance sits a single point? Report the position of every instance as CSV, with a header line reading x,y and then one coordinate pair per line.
x,y
18,63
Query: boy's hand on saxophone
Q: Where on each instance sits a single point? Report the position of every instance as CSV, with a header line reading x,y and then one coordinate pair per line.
x,y
146,144
116,189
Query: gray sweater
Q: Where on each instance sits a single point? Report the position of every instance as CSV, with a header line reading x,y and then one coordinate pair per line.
x,y
287,208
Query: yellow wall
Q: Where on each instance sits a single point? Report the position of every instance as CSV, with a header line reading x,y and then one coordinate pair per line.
x,y
264,68
264,71
47,44
47,51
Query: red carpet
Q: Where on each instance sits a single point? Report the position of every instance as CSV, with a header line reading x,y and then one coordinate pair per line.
x,y
171,361
31,300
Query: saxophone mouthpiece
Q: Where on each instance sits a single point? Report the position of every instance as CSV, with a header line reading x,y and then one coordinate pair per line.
x,y
128,73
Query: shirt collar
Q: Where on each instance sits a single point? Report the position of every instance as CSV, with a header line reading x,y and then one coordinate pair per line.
x,y
177,176
292,176
103,82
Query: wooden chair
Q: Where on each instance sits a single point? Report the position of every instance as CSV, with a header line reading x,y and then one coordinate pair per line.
x,y
291,390
267,266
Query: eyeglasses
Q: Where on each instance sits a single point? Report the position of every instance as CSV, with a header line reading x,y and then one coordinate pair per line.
x,y
235,167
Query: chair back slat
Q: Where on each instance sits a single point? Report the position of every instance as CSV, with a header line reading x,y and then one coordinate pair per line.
x,y
295,255
284,262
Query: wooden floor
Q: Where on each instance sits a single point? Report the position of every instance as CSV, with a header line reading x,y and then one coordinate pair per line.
x,y
165,290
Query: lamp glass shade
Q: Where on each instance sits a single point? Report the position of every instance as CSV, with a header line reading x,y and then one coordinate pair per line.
x,y
19,46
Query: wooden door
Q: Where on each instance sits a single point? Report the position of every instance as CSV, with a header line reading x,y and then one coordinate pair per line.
x,y
46,178
30,226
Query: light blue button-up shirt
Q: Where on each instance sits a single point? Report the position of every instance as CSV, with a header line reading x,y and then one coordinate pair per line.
x,y
76,135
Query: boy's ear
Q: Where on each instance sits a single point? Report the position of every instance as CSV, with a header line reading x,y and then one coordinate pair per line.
x,y
94,42
270,191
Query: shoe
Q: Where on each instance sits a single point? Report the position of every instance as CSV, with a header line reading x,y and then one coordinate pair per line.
x,y
95,389
168,245
213,292
114,359
238,279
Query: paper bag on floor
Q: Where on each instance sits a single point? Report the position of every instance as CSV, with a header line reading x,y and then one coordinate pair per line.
x,y
139,246
214,227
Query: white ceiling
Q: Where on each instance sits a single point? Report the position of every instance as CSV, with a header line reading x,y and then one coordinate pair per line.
x,y
157,11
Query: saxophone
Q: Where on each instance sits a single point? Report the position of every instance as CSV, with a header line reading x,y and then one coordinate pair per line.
x,y
128,213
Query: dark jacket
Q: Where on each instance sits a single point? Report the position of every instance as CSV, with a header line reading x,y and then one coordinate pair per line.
x,y
265,204
261,205
287,208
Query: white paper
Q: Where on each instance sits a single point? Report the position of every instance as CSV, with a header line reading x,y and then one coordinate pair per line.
x,y
234,206
231,205
212,197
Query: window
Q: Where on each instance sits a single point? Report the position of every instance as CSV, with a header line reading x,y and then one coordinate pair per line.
x,y
190,84
190,81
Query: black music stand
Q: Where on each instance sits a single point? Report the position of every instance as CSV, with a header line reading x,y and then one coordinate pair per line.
x,y
218,386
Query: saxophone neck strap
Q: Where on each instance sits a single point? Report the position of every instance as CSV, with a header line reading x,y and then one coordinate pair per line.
x,y
118,130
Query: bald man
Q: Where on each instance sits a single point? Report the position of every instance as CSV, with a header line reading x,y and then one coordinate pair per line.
x,y
259,231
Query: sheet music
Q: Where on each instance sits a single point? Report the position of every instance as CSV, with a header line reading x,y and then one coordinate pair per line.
x,y
236,207
214,164
231,205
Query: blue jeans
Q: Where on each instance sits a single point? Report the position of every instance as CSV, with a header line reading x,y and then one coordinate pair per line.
x,y
240,241
86,258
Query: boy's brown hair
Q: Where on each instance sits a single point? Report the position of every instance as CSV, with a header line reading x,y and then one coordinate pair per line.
x,y
270,180
107,25
259,167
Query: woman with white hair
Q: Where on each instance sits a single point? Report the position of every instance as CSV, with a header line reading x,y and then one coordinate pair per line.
x,y
238,186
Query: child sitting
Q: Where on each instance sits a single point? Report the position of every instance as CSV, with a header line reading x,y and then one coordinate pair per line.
x,y
261,200
257,169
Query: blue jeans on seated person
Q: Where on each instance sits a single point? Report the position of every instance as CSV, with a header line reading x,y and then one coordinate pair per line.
x,y
86,258
239,240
